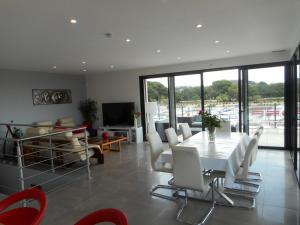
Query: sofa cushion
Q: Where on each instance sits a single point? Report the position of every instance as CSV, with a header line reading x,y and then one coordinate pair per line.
x,y
66,122
46,124
35,131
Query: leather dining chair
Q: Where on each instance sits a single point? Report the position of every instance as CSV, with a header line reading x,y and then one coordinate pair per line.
x,y
225,127
157,164
187,172
186,130
171,136
243,172
255,176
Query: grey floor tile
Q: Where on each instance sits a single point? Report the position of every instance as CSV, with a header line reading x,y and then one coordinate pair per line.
x,y
124,182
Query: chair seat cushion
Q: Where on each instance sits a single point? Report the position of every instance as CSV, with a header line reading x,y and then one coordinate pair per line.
x,y
24,216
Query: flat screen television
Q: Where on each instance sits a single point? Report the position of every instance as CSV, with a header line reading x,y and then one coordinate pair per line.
x,y
118,114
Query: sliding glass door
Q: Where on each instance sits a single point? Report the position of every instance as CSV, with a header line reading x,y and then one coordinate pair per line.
x,y
221,95
246,96
266,104
188,101
157,90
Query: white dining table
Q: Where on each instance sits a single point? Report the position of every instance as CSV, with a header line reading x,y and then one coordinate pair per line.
x,y
226,153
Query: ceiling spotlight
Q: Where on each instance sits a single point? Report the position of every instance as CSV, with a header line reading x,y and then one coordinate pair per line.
x,y
128,40
54,67
198,25
73,21
158,51
84,70
178,57
83,62
112,66
108,35
216,41
227,51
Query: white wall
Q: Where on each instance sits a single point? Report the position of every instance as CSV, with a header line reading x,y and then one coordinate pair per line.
x,y
16,96
123,86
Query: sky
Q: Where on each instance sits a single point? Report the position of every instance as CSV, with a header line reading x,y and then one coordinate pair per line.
x,y
268,75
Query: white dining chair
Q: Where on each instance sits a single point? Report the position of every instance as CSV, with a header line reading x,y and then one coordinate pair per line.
x,y
157,164
186,130
187,172
255,176
242,175
225,127
171,136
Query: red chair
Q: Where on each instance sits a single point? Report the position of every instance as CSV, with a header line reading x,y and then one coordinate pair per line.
x,y
115,216
23,215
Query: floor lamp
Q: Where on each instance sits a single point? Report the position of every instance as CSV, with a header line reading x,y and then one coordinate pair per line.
x,y
150,110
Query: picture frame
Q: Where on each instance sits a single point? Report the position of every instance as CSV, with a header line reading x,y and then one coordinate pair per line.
x,y
51,96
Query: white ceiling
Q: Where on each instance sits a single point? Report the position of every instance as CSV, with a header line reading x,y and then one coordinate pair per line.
x,y
35,35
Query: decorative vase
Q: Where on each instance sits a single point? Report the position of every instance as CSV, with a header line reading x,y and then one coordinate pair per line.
x,y
211,134
135,123
105,136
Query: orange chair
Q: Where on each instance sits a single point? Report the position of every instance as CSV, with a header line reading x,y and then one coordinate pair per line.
x,y
23,215
115,216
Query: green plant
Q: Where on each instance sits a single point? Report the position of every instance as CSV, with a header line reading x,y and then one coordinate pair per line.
x,y
209,120
89,109
136,115
17,133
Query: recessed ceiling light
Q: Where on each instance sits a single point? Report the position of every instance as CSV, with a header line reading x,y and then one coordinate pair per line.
x,y
108,35
198,25
128,40
227,51
84,70
178,57
158,51
73,21
112,66
54,67
83,62
216,41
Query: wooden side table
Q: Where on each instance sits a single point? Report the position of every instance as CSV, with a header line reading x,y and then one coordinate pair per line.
x,y
106,145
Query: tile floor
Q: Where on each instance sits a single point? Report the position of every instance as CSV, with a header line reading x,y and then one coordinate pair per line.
x,y
125,179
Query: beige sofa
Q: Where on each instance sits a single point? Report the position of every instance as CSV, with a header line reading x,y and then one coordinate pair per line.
x,y
67,146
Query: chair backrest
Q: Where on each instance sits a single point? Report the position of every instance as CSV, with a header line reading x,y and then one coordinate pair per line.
x,y
156,147
186,130
32,193
171,136
248,156
225,127
187,170
66,122
111,215
258,134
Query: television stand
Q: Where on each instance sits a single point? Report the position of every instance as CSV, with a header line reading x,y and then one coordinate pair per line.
x,y
133,134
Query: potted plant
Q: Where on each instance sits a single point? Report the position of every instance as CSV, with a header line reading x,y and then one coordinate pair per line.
x,y
89,110
210,122
136,116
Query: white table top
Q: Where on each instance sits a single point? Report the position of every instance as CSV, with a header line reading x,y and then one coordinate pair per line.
x,y
213,155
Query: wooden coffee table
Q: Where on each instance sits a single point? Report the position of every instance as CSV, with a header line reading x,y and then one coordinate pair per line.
x,y
106,145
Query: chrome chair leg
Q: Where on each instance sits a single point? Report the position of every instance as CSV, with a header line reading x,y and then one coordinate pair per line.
x,y
207,215
257,178
250,188
168,187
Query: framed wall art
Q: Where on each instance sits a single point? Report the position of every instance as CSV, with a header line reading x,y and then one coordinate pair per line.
x,y
51,96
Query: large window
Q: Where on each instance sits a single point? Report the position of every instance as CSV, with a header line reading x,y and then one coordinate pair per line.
x,y
188,100
266,104
221,95
246,96
157,91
